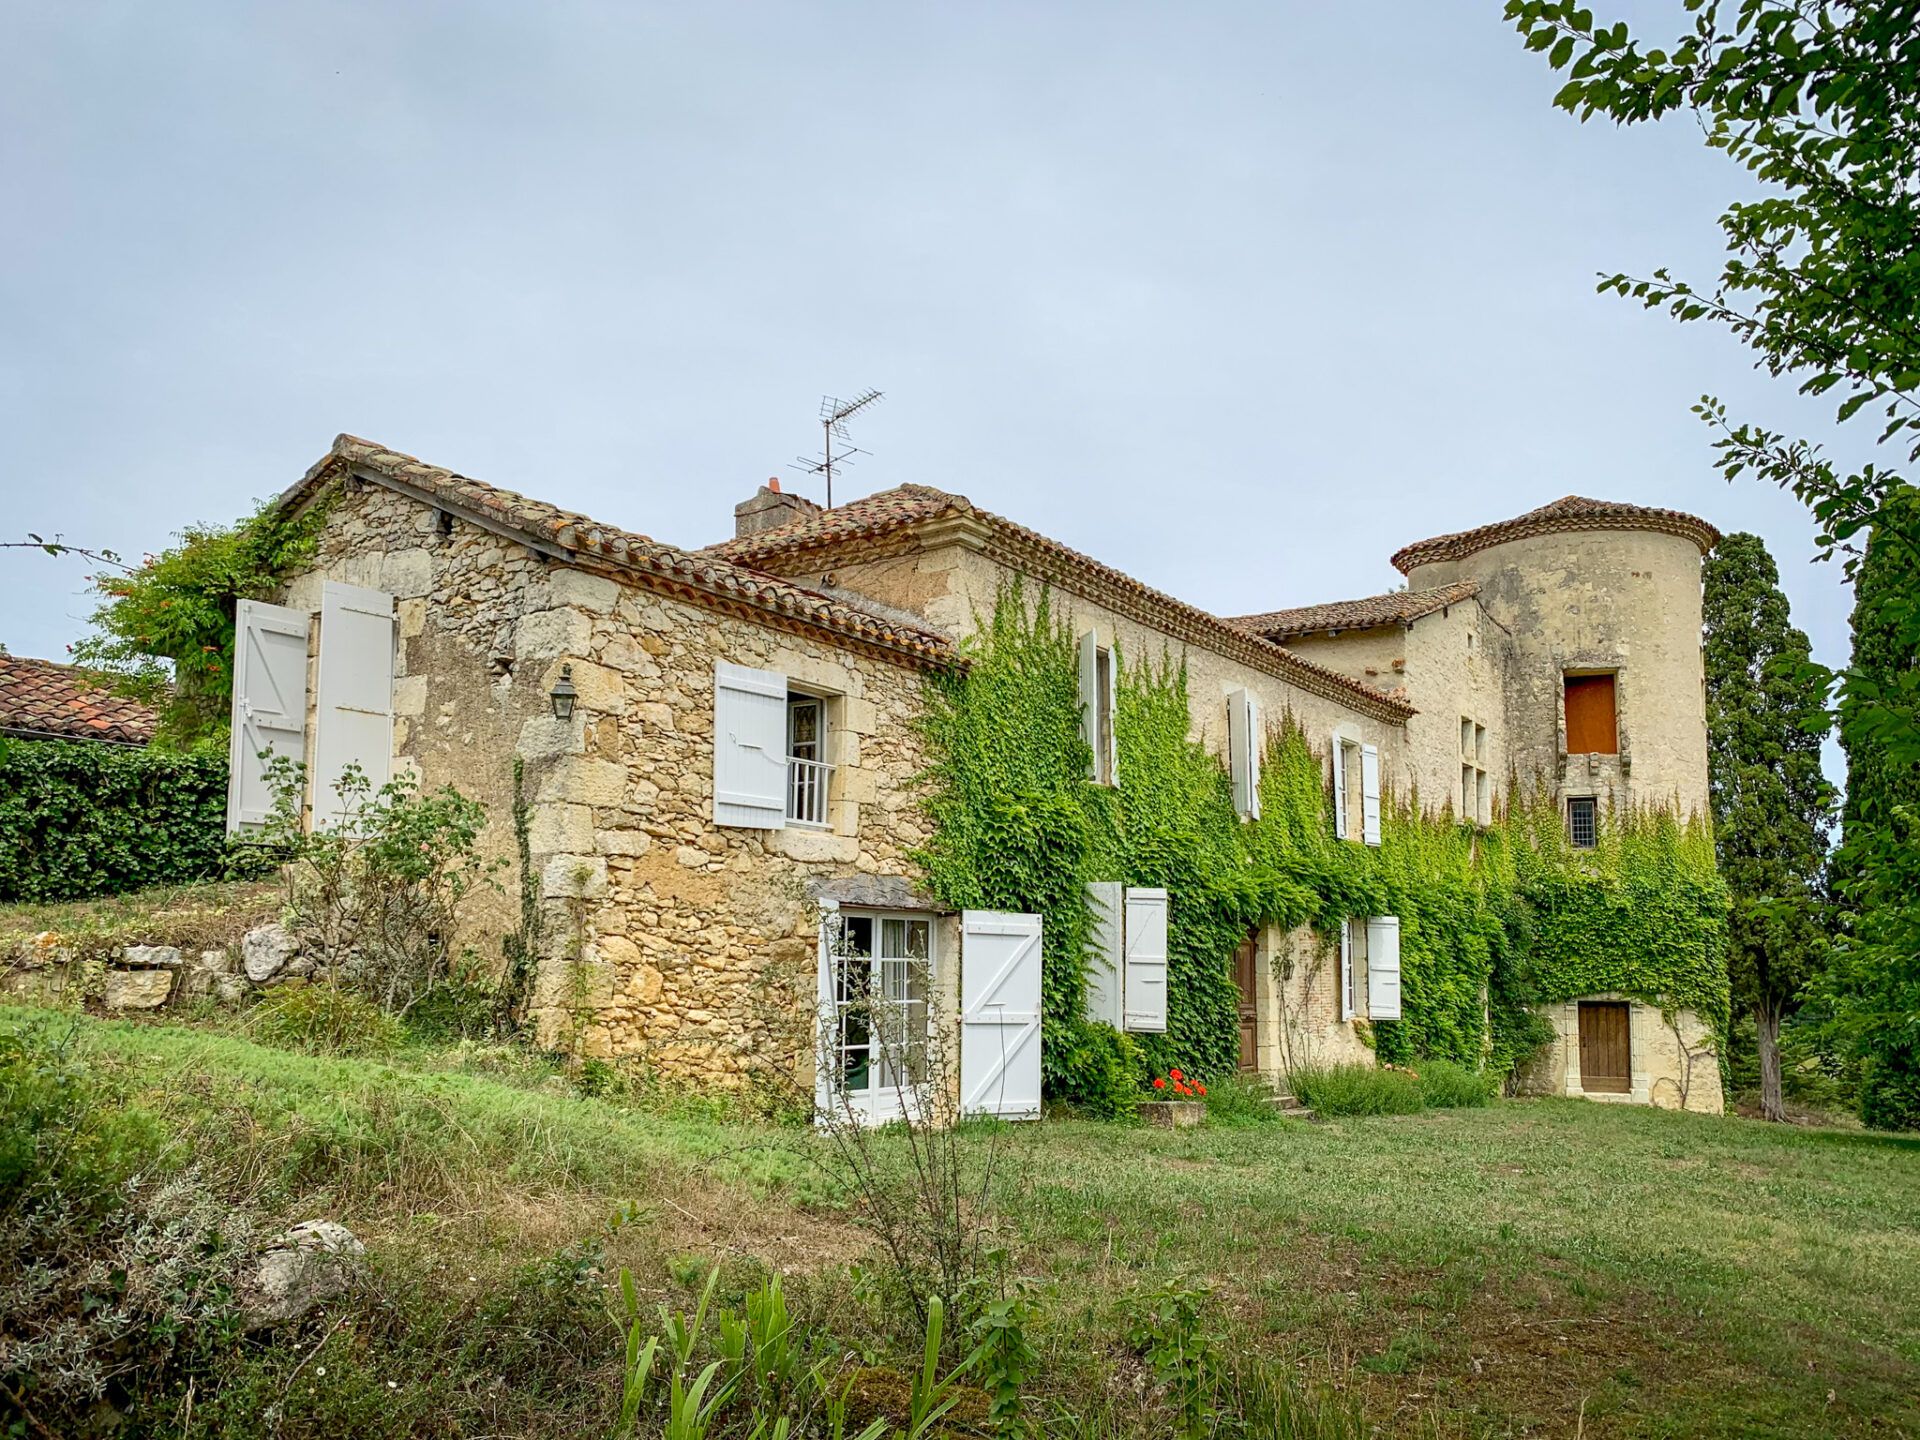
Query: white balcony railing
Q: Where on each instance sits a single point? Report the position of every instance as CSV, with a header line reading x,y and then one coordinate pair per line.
x,y
807,782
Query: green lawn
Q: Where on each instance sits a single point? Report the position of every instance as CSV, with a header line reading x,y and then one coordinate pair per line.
x,y
1536,1267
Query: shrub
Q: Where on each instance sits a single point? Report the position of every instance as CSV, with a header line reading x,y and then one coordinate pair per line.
x,y
324,1019
1355,1089
79,819
1449,1085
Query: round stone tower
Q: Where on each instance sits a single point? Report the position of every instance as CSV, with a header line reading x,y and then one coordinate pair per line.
x,y
1599,603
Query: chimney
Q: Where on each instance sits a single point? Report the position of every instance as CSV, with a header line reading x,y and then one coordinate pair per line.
x,y
769,509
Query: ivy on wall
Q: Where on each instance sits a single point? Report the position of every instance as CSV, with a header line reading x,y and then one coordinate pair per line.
x,y
1492,921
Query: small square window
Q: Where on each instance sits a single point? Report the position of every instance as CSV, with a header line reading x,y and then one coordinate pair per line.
x,y
1583,822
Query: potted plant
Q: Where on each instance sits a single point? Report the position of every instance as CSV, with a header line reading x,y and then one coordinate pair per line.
x,y
1177,1101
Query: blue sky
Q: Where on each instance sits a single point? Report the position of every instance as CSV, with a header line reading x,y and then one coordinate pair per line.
x,y
1237,297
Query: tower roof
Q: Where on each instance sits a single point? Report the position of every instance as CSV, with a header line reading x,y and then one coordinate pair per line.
x,y
1572,512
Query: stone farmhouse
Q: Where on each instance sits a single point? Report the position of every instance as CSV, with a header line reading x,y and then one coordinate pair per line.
x,y
719,749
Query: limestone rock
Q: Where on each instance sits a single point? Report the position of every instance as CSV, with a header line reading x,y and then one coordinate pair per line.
x,y
307,1266
146,957
137,989
266,950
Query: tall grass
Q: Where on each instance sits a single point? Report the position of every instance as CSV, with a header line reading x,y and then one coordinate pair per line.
x,y
1448,1085
1354,1089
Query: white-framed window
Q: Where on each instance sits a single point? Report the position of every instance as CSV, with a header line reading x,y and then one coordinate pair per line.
x,y
1356,790
809,775
1349,983
877,973
1096,709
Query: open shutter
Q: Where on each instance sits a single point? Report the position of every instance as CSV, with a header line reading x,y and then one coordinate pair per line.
x,y
269,705
1090,701
353,714
1243,752
826,1016
749,747
1339,788
1383,967
1146,967
1346,970
1104,955
1370,794
1000,1014
1110,707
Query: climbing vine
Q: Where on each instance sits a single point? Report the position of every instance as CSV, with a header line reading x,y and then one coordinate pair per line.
x,y
1493,921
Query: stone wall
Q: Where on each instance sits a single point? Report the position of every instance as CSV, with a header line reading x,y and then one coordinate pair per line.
x,y
688,946
1669,1059
1300,1020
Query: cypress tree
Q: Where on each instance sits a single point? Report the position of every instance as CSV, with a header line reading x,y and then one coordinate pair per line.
x,y
1772,806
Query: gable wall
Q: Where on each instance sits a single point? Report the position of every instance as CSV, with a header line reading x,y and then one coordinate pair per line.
x,y
670,938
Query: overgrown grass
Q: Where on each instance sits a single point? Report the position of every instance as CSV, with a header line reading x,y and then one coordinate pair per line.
x,y
1449,1085
1354,1089
1527,1267
323,1019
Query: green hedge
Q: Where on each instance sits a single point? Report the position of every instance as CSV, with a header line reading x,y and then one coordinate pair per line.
x,y
79,819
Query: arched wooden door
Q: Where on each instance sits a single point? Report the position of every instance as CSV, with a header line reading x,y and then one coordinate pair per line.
x,y
1246,976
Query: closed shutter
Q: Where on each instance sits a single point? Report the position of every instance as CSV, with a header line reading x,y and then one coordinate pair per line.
x,y
1089,657
1370,794
1383,967
353,714
1339,788
1346,970
1000,1014
749,747
269,705
1104,954
1146,965
1243,752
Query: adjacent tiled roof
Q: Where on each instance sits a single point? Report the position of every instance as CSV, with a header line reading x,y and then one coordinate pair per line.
x,y
576,539
871,520
41,699
1572,512
1396,608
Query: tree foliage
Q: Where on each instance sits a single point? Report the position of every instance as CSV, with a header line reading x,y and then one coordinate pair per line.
x,y
164,630
1820,104
1772,805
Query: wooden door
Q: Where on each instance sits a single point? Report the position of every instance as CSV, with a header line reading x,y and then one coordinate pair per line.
x,y
1246,978
1605,1055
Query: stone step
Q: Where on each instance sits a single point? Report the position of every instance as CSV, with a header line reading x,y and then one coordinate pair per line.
x,y
1290,1107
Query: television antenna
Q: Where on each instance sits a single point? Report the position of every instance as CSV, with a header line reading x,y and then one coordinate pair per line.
x,y
834,414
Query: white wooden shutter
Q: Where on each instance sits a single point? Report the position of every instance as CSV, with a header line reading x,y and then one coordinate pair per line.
x,y
1146,967
1105,957
826,1019
1109,700
1090,701
1339,788
1383,967
353,714
1346,970
749,747
1370,794
1243,751
269,705
1000,1014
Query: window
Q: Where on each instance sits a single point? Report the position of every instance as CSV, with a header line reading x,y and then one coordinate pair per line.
x,y
881,965
808,773
1096,710
1583,822
1356,790
1349,984
1476,787
1591,720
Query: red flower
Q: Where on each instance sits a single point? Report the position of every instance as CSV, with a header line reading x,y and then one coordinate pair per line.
x,y
1176,1075
1159,1084
1203,1089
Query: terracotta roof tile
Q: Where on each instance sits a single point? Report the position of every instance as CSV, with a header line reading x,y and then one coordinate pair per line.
x,y
41,698
700,576
788,547
1395,608
1571,512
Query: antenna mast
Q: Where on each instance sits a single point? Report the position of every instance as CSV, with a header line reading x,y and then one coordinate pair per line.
x,y
834,414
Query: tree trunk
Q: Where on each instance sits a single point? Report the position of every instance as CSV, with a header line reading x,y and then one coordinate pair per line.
x,y
1766,1031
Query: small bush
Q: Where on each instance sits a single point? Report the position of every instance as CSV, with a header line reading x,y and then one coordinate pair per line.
x,y
1237,1102
1449,1085
1354,1089
324,1019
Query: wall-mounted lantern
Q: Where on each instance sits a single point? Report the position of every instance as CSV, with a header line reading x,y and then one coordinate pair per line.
x,y
563,694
